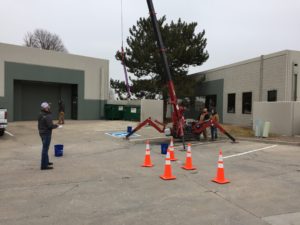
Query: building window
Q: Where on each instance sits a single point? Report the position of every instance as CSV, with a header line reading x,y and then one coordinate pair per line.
x,y
247,103
272,96
231,103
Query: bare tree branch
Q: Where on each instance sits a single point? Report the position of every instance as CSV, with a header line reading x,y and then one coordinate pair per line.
x,y
45,40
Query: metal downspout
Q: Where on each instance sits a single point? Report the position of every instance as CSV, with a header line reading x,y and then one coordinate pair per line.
x,y
261,78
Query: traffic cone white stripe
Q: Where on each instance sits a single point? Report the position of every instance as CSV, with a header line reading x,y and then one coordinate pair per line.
x,y
171,144
171,151
220,165
189,155
168,155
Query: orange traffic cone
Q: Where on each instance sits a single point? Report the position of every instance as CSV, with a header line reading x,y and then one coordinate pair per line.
x,y
147,161
168,169
188,161
220,178
171,150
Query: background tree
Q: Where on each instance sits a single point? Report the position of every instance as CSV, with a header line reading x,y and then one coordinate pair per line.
x,y
184,46
45,40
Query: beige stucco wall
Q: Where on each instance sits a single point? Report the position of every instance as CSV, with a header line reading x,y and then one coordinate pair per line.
x,y
295,58
238,78
153,109
274,76
273,70
96,80
296,123
283,116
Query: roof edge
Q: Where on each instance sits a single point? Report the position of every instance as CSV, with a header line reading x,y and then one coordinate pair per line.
x,y
247,61
20,47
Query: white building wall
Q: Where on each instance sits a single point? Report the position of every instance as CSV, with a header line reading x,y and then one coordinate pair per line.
x,y
284,117
153,109
295,58
274,72
96,72
296,121
274,76
2,80
238,78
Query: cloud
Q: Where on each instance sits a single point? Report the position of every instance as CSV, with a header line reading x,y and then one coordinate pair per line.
x,y
236,30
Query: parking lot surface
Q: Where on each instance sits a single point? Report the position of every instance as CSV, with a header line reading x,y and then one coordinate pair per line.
x,y
99,180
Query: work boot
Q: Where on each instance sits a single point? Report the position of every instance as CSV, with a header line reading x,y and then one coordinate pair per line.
x,y
47,168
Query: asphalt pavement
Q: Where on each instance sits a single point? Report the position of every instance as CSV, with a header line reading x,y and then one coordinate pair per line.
x,y
99,180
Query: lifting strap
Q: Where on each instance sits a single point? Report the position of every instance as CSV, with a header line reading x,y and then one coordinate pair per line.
x,y
123,54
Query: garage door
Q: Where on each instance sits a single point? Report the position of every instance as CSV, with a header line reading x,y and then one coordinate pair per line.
x,y
28,96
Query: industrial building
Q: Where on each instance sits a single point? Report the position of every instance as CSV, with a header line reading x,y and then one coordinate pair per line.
x,y
29,76
233,89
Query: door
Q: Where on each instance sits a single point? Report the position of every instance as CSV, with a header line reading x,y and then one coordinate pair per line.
x,y
74,103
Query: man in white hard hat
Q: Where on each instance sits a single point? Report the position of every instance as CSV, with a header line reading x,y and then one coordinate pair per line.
x,y
45,126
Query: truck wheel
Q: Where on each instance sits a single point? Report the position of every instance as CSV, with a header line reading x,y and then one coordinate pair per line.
x,y
1,132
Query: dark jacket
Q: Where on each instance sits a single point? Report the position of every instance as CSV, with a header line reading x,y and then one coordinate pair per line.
x,y
45,123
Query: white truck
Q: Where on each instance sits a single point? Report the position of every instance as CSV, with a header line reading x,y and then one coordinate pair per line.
x,y
3,120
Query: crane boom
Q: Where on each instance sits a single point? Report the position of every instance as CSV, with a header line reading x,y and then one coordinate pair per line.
x,y
178,119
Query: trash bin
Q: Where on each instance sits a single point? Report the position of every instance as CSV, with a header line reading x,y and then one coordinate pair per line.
x,y
58,150
119,112
108,112
164,148
132,113
258,128
114,112
266,129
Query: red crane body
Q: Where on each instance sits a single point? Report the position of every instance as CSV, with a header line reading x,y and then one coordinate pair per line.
x,y
179,128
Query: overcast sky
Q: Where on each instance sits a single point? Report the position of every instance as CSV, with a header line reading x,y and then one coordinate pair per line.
x,y
235,29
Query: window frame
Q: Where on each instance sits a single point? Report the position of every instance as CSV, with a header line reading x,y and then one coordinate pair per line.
x,y
268,95
234,105
243,103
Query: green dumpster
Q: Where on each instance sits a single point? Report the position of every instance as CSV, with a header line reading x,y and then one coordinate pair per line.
x,y
132,113
114,112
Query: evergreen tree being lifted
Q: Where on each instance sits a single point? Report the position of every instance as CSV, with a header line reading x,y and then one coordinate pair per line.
x,y
184,48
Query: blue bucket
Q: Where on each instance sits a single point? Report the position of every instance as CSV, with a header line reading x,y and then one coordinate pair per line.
x,y
58,150
129,129
164,148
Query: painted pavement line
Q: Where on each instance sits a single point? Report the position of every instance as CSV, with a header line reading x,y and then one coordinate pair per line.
x,y
248,152
9,133
121,134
